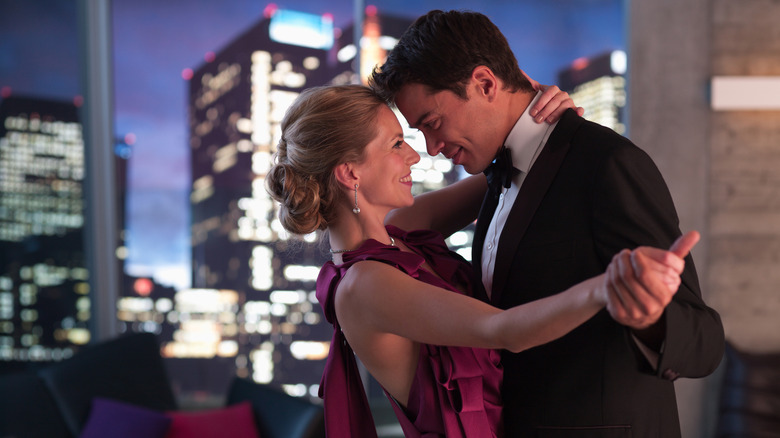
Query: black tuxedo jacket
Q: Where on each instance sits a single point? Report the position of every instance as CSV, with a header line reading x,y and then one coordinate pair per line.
x,y
589,194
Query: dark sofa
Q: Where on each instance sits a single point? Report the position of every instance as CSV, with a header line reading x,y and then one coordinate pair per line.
x,y
750,395
55,401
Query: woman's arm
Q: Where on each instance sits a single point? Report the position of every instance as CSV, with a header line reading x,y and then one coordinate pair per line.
x,y
376,298
445,210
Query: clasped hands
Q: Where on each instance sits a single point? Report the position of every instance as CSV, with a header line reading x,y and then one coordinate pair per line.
x,y
640,283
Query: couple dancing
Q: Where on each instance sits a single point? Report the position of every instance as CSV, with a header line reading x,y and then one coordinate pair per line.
x,y
580,308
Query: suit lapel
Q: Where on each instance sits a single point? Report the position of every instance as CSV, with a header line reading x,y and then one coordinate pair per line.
x,y
529,197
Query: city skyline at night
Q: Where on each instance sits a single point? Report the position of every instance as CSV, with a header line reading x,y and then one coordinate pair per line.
x,y
154,43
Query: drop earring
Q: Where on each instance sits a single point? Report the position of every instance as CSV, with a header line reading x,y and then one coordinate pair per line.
x,y
356,210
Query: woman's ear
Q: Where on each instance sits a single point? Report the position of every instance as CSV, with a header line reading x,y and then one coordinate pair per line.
x,y
345,175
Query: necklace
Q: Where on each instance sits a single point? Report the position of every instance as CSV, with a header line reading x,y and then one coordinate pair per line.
x,y
339,251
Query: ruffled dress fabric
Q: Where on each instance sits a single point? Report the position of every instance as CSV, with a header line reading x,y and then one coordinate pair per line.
x,y
456,390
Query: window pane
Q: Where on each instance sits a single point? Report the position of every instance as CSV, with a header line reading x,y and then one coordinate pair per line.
x,y
44,303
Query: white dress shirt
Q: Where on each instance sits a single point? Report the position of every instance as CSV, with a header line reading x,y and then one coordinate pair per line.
x,y
526,141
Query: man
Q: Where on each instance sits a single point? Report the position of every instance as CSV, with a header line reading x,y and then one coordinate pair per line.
x,y
577,193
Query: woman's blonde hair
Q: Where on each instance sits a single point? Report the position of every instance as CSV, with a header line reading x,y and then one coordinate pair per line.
x,y
324,127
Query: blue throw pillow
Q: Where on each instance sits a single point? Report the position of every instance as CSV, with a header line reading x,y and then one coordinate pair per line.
x,y
121,420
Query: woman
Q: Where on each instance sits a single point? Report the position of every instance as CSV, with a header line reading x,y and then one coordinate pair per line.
x,y
399,299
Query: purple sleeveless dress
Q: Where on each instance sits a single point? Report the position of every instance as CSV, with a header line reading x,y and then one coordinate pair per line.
x,y
456,391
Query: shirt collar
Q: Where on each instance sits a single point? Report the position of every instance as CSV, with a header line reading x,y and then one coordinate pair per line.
x,y
526,138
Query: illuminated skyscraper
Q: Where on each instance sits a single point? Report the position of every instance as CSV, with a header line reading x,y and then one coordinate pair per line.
x,y
243,261
380,34
598,84
44,303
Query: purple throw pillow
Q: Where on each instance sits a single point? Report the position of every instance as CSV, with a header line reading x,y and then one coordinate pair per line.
x,y
122,420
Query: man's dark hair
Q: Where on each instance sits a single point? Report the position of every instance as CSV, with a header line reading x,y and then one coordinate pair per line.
x,y
441,50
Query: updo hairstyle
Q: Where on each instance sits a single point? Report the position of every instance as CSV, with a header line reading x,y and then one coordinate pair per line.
x,y
324,127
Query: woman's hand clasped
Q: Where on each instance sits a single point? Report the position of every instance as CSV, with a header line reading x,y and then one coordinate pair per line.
x,y
641,283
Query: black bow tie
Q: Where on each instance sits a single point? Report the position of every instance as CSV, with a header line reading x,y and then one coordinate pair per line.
x,y
499,172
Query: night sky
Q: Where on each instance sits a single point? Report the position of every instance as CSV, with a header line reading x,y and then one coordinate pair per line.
x,y
155,40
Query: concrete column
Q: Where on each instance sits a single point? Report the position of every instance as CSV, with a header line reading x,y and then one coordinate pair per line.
x,y
669,117
723,167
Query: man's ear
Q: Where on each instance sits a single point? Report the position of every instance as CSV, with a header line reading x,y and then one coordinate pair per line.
x,y
345,175
486,82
